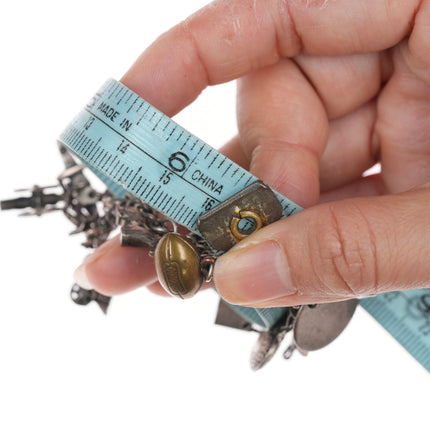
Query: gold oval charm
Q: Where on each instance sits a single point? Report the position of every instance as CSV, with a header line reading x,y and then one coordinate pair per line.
x,y
178,265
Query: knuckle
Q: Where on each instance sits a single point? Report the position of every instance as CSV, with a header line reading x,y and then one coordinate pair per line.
x,y
343,252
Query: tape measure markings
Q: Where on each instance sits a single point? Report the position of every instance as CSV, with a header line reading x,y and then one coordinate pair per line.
x,y
399,313
113,171
185,163
81,150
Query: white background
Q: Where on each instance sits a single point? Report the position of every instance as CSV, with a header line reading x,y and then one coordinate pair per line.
x,y
151,363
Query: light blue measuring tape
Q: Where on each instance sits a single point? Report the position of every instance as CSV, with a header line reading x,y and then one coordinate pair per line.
x,y
132,147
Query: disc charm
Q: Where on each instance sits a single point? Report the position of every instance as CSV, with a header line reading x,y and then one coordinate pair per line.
x,y
317,326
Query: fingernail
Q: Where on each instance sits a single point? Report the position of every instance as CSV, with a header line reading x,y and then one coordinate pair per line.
x,y
80,275
253,273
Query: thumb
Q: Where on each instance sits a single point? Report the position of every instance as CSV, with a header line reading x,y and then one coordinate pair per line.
x,y
333,251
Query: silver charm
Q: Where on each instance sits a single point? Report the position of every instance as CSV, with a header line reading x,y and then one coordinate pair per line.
x,y
83,297
39,202
268,341
313,326
318,325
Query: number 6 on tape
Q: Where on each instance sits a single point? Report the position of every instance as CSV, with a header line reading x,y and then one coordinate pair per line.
x,y
134,147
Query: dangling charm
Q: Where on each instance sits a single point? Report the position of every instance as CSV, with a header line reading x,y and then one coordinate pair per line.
x,y
177,262
182,263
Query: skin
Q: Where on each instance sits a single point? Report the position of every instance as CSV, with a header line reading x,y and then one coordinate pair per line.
x,y
326,89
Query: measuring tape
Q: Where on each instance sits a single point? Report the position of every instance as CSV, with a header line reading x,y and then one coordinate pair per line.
x,y
133,147
406,316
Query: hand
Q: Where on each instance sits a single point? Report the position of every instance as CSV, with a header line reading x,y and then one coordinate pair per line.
x,y
327,89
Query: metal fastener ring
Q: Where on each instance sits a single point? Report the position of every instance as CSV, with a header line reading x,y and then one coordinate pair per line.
x,y
236,232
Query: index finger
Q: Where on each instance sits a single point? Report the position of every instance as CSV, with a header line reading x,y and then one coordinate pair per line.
x,y
228,39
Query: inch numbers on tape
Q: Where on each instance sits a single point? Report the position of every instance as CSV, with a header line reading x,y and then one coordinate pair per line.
x,y
131,144
135,148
